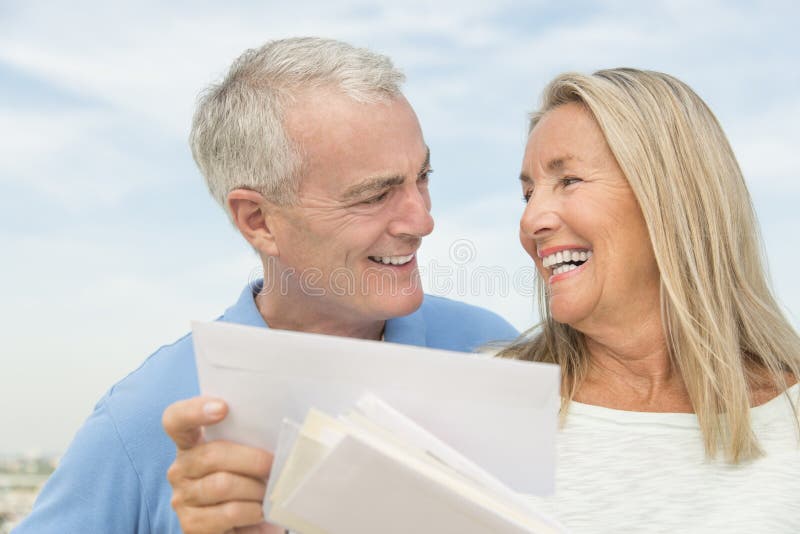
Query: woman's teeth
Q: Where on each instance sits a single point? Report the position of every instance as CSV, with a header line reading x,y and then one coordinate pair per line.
x,y
566,260
565,268
394,260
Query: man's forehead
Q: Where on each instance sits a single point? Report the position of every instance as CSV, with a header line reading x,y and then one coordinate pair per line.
x,y
344,143
359,181
305,108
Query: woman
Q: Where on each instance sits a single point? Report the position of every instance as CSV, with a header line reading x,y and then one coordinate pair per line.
x,y
679,370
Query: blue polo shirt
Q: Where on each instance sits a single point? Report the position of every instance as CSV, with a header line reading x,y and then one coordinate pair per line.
x,y
113,476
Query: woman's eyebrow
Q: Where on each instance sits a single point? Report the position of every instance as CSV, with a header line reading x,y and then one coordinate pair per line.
x,y
558,163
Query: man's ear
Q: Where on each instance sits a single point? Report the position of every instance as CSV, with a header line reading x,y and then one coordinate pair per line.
x,y
251,213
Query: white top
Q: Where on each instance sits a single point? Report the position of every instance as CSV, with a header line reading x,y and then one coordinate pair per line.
x,y
624,472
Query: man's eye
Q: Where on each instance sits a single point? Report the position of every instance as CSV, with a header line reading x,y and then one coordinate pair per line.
x,y
376,199
526,196
425,177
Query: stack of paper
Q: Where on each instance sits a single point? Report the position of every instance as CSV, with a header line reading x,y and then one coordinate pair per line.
x,y
373,470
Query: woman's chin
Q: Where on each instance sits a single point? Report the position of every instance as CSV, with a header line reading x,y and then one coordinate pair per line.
x,y
565,312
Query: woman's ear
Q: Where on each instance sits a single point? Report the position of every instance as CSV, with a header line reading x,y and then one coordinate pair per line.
x,y
252,215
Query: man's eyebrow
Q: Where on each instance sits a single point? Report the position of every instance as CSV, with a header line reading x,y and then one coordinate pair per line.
x,y
379,183
372,184
524,178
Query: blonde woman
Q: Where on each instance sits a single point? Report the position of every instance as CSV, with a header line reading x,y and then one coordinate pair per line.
x,y
680,410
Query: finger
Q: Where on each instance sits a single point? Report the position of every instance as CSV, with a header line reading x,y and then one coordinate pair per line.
x,y
216,456
218,488
220,518
184,420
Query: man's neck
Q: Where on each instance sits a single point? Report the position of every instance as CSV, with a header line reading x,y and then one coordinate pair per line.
x,y
301,316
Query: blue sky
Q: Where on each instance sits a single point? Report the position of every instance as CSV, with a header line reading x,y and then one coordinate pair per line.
x,y
111,243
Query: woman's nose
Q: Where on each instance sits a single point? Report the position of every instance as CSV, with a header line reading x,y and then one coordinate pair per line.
x,y
540,218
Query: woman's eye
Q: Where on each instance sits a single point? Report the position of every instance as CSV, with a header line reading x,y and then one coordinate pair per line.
x,y
569,180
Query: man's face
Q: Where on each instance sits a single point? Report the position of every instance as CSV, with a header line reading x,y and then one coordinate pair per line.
x,y
363,207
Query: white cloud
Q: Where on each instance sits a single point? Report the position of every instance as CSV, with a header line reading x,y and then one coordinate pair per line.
x,y
766,145
153,59
75,156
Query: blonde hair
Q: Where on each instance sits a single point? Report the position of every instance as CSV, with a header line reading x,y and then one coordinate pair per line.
x,y
238,138
725,332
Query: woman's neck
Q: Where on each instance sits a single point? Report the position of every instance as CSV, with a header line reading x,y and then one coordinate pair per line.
x,y
630,369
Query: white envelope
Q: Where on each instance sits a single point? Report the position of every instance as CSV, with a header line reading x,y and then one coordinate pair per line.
x,y
501,414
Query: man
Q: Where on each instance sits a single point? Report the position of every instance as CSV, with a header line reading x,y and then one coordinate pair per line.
x,y
320,163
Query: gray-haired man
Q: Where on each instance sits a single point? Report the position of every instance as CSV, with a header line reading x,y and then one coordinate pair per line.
x,y
320,163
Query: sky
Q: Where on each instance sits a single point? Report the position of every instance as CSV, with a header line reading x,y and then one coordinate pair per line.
x,y
111,244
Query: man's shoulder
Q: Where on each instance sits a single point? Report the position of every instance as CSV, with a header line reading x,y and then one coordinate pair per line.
x,y
450,321
135,406
167,375
112,477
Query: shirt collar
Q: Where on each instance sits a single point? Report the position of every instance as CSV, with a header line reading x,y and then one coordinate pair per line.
x,y
245,310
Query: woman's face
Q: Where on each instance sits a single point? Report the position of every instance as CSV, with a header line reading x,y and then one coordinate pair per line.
x,y
583,227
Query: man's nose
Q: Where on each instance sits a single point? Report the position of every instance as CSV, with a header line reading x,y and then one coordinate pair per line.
x,y
413,217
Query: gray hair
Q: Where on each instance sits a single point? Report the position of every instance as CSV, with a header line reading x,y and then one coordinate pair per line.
x,y
238,138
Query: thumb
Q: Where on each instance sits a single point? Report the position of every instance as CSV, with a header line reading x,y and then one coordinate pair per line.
x,y
184,420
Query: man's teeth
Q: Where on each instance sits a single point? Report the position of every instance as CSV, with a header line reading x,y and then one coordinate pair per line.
x,y
564,257
394,260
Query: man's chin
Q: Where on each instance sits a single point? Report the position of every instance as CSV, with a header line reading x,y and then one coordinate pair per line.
x,y
399,305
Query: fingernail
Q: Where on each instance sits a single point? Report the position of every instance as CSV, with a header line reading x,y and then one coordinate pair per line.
x,y
213,408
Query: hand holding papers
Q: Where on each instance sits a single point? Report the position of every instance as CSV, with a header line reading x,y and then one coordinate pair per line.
x,y
353,475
